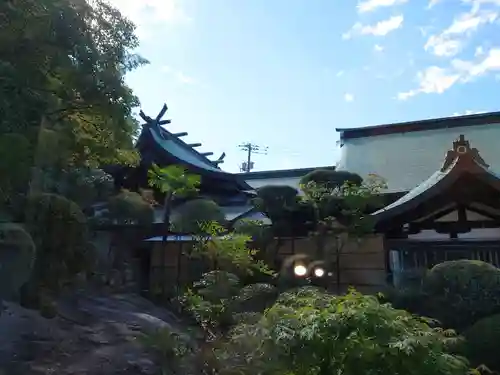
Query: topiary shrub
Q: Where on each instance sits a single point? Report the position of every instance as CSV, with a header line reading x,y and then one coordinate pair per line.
x,y
188,217
462,291
59,230
481,342
129,207
330,178
17,255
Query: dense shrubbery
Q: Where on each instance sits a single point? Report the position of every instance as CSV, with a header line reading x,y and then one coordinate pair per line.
x,y
193,213
129,207
310,332
461,292
60,233
481,342
17,255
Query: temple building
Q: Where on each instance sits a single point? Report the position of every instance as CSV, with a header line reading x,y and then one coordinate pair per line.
x,y
444,176
156,144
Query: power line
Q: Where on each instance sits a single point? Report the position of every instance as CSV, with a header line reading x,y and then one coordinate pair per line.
x,y
250,149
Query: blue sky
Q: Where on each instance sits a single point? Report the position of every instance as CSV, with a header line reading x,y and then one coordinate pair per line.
x,y
285,73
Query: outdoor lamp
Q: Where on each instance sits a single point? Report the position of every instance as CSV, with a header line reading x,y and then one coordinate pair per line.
x,y
299,270
319,272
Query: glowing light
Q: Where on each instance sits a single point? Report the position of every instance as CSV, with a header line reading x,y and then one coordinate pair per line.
x,y
300,270
319,272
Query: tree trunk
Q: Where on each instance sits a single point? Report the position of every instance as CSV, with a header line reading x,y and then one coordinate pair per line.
x,y
166,219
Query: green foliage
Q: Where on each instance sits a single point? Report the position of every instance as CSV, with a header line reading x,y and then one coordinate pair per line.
x,y
17,255
191,214
173,180
461,292
330,178
275,198
481,342
210,299
261,234
84,186
230,250
310,332
129,207
15,164
341,215
59,230
67,78
218,300
169,348
279,203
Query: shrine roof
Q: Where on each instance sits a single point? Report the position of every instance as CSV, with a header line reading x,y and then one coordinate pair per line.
x,y
461,160
155,136
181,150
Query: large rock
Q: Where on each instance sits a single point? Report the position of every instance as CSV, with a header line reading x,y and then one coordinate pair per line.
x,y
93,334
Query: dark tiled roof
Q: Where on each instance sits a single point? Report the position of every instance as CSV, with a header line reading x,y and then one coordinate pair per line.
x,y
280,173
421,125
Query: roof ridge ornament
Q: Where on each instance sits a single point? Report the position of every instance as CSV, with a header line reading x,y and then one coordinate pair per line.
x,y
157,122
461,148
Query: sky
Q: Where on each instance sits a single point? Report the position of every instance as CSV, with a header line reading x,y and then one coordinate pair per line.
x,y
284,74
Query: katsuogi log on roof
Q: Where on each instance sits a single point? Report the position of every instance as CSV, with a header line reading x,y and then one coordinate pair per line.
x,y
157,145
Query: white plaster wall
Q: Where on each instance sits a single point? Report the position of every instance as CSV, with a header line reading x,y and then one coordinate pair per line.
x,y
407,159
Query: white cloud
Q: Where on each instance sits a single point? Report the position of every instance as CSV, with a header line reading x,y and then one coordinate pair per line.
x,y
151,13
479,51
381,28
183,78
378,48
437,80
467,112
179,75
348,97
340,73
432,3
370,5
432,80
450,41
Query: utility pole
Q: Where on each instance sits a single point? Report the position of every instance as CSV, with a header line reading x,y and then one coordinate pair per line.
x,y
250,148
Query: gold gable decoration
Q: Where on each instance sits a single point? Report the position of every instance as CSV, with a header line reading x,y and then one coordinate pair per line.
x,y
461,148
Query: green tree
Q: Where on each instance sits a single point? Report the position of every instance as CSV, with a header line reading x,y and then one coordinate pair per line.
x,y
278,202
341,216
62,64
174,182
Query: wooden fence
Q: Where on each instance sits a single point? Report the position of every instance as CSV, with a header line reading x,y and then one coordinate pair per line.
x,y
362,266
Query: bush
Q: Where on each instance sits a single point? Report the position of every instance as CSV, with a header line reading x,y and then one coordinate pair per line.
x,y
130,207
331,178
17,255
481,342
461,292
190,215
309,332
59,230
